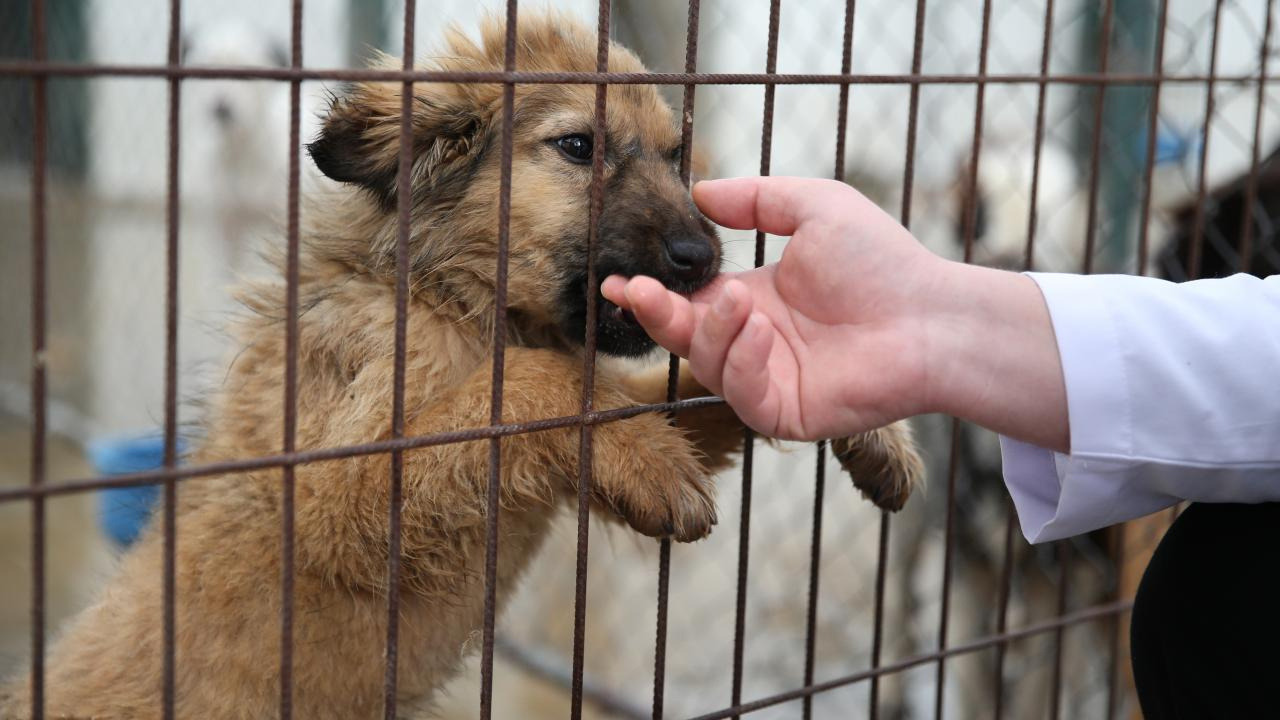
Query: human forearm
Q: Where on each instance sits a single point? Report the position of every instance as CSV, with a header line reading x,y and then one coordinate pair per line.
x,y
991,356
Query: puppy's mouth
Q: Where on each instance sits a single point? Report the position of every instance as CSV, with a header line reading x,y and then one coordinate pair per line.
x,y
617,330
610,312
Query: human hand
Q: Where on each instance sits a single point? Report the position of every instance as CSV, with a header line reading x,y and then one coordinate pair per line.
x,y
857,325
820,344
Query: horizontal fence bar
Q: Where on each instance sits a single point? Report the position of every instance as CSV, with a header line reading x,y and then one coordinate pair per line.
x,y
1076,618
27,68
305,457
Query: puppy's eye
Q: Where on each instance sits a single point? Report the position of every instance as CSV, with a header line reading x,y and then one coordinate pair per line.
x,y
577,148
676,155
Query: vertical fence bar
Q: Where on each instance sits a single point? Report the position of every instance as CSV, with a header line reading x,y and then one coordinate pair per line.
x,y
1006,571
1153,128
1193,263
744,542
1095,154
970,214
686,112
846,67
819,484
1033,209
290,372
913,114
1197,227
660,644
600,142
975,147
1064,571
673,371
39,293
815,561
1002,613
748,441
493,507
171,368
1251,187
877,620
404,203
1087,268
908,181
1118,538
944,612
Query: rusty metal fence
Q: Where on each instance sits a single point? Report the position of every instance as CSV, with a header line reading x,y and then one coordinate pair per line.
x,y
1109,602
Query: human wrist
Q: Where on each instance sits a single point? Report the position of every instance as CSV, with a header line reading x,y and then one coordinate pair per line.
x,y
991,356
928,317
945,323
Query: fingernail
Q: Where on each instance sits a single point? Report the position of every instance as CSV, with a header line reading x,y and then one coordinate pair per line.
x,y
726,302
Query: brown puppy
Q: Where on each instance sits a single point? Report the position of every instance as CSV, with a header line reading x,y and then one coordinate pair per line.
x,y
652,474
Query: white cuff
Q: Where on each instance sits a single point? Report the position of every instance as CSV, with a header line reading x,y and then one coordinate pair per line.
x,y
1194,364
1052,501
1058,496
1092,350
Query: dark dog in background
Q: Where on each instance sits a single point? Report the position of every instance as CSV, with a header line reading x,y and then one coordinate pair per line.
x,y
1220,249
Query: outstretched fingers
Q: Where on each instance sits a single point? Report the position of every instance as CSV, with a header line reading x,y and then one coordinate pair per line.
x,y
748,385
727,344
668,317
709,349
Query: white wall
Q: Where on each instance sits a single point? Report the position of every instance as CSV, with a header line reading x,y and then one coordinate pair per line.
x,y
128,164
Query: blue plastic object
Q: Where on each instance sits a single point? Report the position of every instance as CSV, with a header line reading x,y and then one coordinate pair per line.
x,y
1173,145
123,512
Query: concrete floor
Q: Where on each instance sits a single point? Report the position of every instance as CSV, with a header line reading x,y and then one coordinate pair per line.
x,y
77,556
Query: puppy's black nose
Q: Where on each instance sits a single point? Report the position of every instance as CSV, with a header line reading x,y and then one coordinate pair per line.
x,y
690,255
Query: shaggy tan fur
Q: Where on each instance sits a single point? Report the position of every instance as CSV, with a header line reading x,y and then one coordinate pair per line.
x,y
650,473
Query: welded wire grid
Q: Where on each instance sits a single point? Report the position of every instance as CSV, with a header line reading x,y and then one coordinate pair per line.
x,y
1104,79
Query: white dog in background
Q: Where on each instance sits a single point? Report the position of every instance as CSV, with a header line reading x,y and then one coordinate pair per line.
x,y
235,133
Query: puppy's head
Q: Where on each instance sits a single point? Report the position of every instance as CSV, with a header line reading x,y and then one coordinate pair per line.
x,y
648,225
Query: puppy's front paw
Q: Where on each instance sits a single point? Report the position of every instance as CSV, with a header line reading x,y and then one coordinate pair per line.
x,y
649,474
884,464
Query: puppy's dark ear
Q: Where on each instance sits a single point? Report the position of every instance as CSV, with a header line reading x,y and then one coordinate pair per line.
x,y
359,141
352,147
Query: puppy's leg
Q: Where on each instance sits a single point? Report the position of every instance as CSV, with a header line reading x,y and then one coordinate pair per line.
x,y
883,463
715,431
643,469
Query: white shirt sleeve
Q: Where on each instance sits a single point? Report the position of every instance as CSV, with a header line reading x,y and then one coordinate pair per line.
x,y
1173,393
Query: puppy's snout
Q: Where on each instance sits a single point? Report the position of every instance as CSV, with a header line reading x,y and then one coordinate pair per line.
x,y
690,255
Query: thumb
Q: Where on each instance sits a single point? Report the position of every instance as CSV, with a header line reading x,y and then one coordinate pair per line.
x,y
776,205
